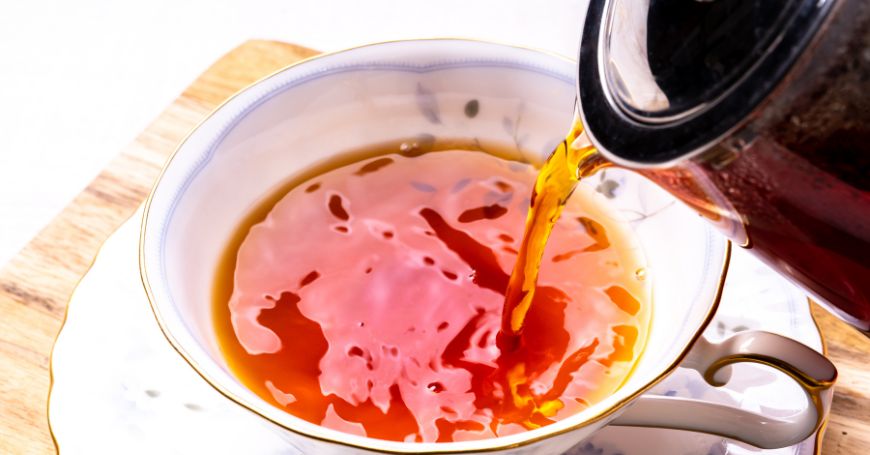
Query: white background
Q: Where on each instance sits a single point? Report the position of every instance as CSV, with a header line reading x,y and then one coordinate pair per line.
x,y
79,79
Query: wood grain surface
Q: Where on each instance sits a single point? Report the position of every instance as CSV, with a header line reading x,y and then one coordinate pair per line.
x,y
36,283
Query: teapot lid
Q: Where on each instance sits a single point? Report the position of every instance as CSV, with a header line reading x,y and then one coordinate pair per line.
x,y
660,80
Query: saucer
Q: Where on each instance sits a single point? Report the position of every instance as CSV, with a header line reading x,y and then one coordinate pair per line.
x,y
118,386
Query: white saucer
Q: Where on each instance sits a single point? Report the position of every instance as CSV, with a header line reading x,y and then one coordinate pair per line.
x,y
118,387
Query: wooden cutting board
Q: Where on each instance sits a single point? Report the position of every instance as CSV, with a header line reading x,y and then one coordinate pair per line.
x,y
35,284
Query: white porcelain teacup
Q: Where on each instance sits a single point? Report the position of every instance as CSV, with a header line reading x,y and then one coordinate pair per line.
x,y
305,113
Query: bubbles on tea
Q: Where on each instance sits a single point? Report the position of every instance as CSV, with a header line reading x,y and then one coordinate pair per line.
x,y
487,212
435,387
336,207
640,274
450,275
373,166
309,278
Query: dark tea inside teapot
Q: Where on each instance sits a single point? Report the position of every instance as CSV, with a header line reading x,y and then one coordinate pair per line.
x,y
757,114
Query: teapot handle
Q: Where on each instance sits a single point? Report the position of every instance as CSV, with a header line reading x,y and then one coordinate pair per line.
x,y
811,370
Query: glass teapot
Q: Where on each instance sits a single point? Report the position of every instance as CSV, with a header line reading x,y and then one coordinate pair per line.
x,y
756,113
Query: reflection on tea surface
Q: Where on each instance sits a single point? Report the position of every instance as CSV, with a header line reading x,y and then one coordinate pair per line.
x,y
368,298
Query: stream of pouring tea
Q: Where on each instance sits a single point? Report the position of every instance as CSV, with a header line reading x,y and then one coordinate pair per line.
x,y
574,158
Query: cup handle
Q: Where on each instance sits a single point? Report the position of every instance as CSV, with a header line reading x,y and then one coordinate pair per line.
x,y
811,370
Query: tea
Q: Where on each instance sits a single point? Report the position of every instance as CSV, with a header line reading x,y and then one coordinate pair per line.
x,y
369,298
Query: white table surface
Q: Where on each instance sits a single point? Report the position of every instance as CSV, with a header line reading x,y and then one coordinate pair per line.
x,y
79,79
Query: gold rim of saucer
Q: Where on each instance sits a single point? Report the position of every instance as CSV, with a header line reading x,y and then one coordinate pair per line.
x,y
495,446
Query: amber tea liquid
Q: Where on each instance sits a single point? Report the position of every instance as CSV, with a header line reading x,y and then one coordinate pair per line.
x,y
376,295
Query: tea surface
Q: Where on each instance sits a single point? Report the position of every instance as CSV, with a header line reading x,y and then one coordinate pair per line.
x,y
369,298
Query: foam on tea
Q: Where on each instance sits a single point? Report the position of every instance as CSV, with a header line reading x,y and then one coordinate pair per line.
x,y
369,298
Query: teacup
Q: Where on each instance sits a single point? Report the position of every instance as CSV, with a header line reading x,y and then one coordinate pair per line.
x,y
419,90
